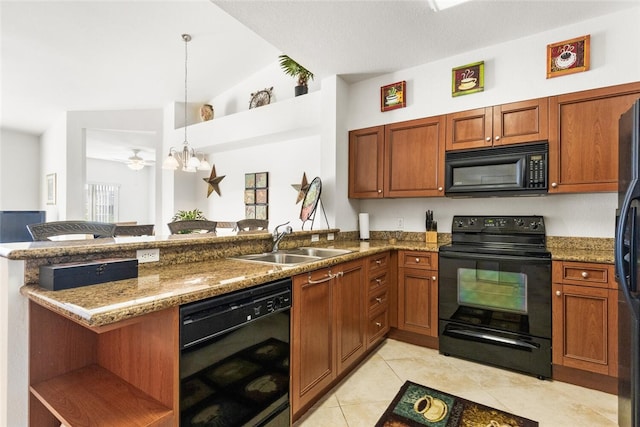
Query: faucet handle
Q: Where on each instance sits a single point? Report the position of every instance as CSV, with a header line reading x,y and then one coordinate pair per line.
x,y
278,226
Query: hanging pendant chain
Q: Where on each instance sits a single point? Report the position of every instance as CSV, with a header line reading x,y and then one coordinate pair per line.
x,y
186,38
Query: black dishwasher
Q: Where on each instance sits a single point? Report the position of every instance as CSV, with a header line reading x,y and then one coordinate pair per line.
x,y
234,358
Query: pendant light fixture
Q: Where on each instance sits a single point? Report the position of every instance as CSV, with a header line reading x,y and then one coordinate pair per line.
x,y
187,158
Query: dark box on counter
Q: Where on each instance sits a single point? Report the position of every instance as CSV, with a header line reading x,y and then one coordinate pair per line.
x,y
73,275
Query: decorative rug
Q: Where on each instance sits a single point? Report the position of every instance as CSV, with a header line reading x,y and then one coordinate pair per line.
x,y
416,405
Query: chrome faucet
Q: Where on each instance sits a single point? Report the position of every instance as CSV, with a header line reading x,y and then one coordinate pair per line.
x,y
278,236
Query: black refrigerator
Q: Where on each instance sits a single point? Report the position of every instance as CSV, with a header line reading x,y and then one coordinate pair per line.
x,y
627,247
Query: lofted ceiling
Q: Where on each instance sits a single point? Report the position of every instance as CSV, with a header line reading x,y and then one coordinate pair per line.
x,y
91,55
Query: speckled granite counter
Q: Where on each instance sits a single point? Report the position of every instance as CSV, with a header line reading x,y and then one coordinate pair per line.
x,y
192,269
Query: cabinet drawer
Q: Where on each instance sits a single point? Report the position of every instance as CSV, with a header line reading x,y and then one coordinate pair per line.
x,y
378,327
598,275
378,282
378,263
379,300
422,260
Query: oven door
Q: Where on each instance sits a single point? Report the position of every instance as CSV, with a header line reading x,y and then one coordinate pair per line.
x,y
502,292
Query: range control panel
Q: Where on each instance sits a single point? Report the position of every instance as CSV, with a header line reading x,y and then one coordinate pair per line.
x,y
498,224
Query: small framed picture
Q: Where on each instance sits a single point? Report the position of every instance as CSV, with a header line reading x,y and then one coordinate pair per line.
x,y
249,196
467,79
249,180
262,212
568,57
262,180
393,96
51,189
261,196
250,211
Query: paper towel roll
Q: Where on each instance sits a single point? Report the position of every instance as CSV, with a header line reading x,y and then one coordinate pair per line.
x,y
363,220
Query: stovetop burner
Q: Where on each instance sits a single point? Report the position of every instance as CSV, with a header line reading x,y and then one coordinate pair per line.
x,y
515,235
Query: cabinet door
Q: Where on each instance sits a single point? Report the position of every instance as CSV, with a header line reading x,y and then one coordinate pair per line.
x,y
521,122
469,129
583,138
366,151
418,301
350,311
313,364
584,328
414,158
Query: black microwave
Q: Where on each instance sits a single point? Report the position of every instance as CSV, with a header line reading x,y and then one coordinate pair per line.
x,y
504,171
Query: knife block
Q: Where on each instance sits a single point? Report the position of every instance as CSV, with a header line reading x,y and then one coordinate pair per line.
x,y
431,237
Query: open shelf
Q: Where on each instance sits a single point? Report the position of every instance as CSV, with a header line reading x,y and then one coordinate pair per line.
x,y
94,396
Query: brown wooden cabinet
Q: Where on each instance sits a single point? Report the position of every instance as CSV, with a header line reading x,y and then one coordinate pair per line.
x,y
514,123
404,159
125,374
585,317
378,296
583,138
328,335
418,292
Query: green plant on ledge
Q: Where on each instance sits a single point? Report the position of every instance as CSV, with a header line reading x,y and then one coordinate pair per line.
x,y
292,68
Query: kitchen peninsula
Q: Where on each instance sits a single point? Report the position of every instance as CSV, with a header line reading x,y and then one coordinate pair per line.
x,y
80,323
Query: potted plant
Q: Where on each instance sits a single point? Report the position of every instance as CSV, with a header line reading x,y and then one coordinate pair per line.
x,y
188,215
292,68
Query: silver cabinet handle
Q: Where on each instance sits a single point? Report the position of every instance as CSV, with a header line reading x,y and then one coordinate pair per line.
x,y
440,189
418,260
378,262
497,137
378,281
433,278
558,293
554,184
328,277
378,324
488,139
379,191
584,274
379,299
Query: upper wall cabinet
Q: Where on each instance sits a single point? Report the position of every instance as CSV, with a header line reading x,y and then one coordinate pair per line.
x,y
514,123
403,159
583,138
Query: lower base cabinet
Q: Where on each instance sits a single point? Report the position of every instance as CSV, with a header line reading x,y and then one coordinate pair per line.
x,y
328,331
418,292
585,317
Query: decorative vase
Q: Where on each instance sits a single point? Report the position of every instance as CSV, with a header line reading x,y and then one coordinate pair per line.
x,y
301,90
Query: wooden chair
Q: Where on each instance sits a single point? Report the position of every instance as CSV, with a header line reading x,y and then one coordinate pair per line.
x,y
191,225
227,224
42,231
253,224
134,230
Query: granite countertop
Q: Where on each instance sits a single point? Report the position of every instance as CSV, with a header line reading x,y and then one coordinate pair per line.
x,y
168,285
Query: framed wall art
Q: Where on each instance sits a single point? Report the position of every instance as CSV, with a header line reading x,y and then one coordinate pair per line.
x,y
568,57
256,195
393,96
51,189
467,79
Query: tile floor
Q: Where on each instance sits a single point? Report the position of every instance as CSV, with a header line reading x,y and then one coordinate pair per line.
x,y
361,398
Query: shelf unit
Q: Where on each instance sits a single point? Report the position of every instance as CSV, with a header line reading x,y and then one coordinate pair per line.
x,y
123,375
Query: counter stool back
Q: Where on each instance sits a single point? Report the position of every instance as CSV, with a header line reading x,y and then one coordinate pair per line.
x,y
42,231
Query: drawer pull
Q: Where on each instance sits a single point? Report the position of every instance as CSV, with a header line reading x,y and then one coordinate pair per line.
x,y
417,260
433,278
378,281
379,300
378,262
558,293
328,277
378,324
585,274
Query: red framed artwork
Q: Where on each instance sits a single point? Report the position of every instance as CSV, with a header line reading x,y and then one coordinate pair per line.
x,y
568,57
393,96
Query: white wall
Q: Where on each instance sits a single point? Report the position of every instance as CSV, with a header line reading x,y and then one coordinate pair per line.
x,y
53,159
514,71
137,194
19,184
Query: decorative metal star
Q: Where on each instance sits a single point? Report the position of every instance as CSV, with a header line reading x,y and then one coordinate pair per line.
x,y
301,188
214,182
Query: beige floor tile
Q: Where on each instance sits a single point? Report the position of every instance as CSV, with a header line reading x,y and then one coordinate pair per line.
x,y
361,398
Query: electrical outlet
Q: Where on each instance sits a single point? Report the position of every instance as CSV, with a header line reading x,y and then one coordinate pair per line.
x,y
315,237
148,255
399,223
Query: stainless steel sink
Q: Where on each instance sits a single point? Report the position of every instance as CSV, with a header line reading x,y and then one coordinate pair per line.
x,y
293,256
317,252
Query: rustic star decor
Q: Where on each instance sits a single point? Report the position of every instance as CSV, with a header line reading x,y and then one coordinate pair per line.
x,y
214,182
301,188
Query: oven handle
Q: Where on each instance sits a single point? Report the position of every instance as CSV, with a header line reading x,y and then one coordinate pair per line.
x,y
491,338
476,256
